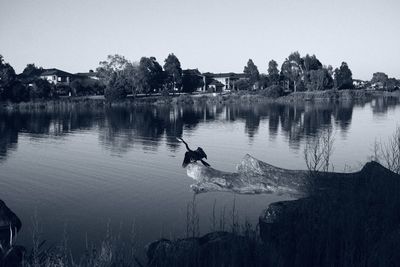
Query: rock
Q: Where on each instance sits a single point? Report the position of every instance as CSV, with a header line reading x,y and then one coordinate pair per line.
x,y
355,221
213,249
10,224
14,257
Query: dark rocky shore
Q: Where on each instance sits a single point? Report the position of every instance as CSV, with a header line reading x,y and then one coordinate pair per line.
x,y
10,224
345,220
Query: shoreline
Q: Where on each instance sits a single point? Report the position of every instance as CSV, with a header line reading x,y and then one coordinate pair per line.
x,y
210,98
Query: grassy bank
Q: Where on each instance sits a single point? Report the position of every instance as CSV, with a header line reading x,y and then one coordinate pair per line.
x,y
335,95
187,99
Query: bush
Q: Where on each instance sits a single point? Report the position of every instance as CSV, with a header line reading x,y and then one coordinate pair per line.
x,y
16,92
81,87
61,90
40,89
273,91
116,89
19,93
243,84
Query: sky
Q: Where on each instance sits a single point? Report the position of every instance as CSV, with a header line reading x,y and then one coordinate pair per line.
x,y
211,35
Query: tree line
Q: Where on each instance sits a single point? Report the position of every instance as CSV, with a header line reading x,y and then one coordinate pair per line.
x,y
147,76
299,74
119,77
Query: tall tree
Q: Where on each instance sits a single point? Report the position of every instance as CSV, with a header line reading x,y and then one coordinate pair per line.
x,y
173,72
31,71
273,72
311,63
251,72
319,79
7,78
116,88
191,80
292,69
343,77
296,59
380,77
114,64
118,74
150,75
264,81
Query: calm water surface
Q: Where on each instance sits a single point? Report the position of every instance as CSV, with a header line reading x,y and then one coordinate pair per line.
x,y
81,169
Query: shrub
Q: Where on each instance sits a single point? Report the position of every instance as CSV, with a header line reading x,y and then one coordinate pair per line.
x,y
40,89
16,92
116,89
273,91
243,84
81,87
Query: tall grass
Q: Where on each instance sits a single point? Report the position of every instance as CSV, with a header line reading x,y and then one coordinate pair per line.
x,y
318,151
239,246
388,152
111,251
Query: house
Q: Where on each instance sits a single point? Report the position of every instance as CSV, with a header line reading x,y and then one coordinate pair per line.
x,y
221,81
56,76
215,86
359,84
378,85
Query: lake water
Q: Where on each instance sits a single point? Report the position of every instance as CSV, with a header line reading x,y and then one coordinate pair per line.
x,y
85,171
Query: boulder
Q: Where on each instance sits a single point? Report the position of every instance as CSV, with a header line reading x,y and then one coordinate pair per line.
x,y
10,224
213,249
355,221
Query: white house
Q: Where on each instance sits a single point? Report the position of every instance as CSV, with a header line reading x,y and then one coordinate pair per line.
x,y
56,76
222,81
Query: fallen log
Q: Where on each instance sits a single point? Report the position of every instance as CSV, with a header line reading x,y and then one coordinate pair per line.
x,y
252,177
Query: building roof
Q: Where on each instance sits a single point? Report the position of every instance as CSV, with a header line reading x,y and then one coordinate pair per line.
x,y
49,72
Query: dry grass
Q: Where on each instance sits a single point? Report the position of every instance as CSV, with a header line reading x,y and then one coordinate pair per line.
x,y
318,152
388,152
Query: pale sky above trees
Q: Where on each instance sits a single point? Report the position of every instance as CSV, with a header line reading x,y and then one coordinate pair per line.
x,y
212,35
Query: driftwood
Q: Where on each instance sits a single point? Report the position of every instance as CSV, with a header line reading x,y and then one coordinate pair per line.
x,y
252,177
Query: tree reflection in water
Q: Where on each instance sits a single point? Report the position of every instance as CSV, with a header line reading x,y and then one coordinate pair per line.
x,y
121,128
